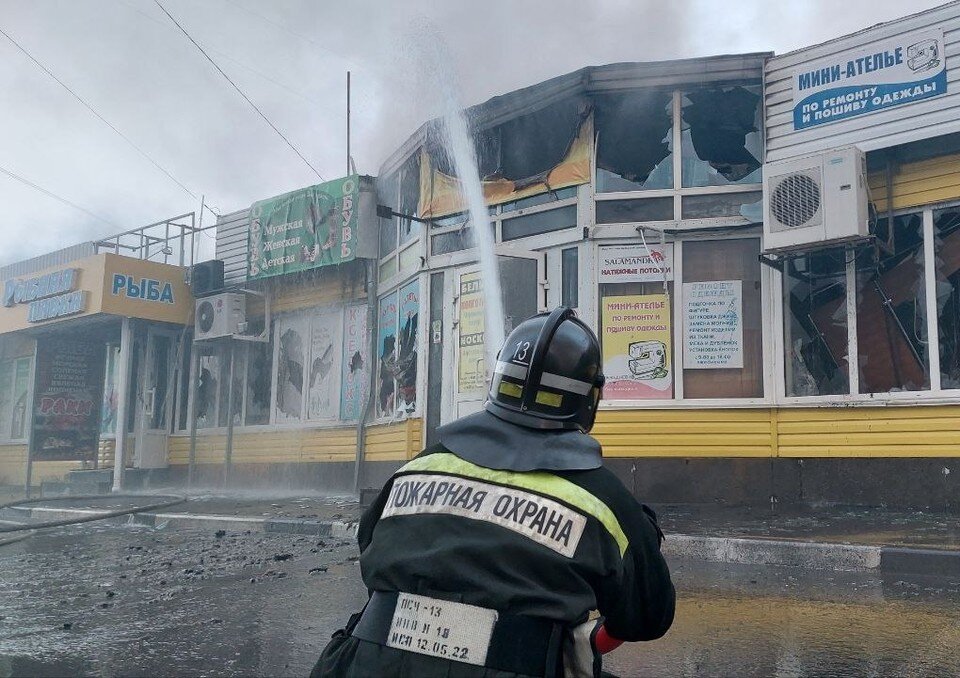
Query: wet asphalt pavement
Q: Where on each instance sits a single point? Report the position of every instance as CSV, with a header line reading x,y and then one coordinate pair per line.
x,y
123,601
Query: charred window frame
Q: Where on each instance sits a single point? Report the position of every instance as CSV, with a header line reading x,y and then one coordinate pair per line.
x,y
635,141
720,136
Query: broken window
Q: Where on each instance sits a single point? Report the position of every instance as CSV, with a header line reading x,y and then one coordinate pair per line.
x,y
208,388
634,141
891,309
815,323
946,233
291,357
406,367
720,136
409,198
539,222
259,359
387,351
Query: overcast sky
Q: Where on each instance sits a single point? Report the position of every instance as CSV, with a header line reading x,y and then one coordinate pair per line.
x,y
139,72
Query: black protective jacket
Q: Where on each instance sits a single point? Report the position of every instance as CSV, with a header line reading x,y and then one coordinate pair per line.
x,y
547,544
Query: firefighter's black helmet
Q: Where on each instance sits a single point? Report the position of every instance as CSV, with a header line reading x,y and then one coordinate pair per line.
x,y
548,374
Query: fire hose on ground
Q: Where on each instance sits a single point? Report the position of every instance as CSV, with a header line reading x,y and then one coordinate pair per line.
x,y
31,528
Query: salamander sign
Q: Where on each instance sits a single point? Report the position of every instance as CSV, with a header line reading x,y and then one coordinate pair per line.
x,y
881,75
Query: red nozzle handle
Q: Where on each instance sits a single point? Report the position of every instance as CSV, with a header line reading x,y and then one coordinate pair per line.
x,y
604,642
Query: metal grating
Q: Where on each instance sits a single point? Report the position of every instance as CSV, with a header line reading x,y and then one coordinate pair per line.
x,y
796,200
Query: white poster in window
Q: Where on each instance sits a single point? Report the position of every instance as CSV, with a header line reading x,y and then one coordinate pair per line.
x,y
635,263
290,361
324,369
713,325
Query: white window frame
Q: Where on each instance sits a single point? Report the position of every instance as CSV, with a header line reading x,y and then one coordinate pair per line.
x,y
422,345
678,401
933,396
28,414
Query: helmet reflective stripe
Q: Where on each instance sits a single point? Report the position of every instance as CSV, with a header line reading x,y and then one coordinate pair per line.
x,y
511,370
562,383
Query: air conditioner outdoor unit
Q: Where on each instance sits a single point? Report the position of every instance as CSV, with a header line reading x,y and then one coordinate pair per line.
x,y
818,199
219,315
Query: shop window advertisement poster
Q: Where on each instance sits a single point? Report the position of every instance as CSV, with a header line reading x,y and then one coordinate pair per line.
x,y
472,375
67,401
355,382
323,372
406,366
387,356
713,325
637,360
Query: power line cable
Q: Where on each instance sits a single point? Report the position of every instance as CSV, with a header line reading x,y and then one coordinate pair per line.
x,y
96,114
314,102
239,91
22,180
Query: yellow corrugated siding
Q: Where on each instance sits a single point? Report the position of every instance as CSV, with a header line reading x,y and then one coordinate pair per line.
x,y
919,183
394,442
901,431
387,442
13,467
685,433
307,445
893,431
909,431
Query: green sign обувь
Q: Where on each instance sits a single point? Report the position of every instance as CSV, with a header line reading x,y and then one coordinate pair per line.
x,y
304,229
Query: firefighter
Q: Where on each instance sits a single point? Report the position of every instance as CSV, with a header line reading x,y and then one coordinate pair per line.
x,y
486,554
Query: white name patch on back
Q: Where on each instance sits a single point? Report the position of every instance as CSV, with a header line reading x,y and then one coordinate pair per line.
x,y
543,520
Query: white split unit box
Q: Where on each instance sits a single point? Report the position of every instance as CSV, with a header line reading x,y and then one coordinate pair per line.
x,y
816,199
219,315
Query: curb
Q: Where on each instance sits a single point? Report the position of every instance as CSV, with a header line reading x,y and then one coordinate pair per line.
x,y
814,555
737,550
317,528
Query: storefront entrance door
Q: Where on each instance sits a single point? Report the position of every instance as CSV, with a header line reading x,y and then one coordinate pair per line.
x,y
522,290
154,399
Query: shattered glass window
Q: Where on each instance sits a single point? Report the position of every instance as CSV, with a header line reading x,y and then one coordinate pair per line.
x,y
815,323
291,358
946,233
224,395
208,388
523,149
111,397
721,136
409,198
259,359
634,141
891,309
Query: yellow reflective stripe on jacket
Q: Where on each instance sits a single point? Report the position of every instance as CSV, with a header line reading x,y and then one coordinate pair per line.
x,y
537,481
